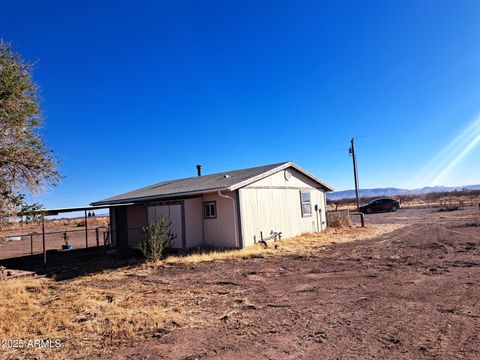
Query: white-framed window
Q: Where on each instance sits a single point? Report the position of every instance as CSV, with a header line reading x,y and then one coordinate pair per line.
x,y
210,210
305,203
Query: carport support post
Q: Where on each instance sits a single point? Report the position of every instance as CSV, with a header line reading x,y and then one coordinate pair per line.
x,y
43,242
86,230
184,239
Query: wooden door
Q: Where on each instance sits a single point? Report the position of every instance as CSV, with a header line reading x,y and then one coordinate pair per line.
x,y
172,212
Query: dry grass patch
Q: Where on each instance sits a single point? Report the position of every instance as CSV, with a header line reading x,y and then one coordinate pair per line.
x,y
298,245
84,316
95,313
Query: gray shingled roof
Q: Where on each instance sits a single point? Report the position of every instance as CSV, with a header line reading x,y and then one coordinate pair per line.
x,y
228,180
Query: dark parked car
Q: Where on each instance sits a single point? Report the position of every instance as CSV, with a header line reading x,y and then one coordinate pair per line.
x,y
379,205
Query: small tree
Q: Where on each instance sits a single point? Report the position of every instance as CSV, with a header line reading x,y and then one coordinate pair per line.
x,y
158,238
26,165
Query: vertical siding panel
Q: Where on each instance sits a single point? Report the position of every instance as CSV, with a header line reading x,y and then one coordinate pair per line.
x,y
265,206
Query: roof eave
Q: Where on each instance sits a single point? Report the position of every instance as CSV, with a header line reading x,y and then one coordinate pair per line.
x,y
326,186
144,199
260,176
277,169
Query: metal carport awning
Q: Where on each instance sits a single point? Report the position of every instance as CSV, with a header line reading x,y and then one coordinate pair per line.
x,y
56,211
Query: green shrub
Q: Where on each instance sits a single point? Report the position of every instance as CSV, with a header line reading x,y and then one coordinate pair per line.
x,y
158,238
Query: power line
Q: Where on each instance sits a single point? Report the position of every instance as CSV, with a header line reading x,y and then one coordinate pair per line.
x,y
313,154
404,140
432,125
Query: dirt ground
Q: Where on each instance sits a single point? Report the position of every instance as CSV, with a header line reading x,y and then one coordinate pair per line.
x,y
410,294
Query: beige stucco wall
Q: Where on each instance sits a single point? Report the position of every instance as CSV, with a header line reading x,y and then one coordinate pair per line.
x,y
223,231
274,204
194,222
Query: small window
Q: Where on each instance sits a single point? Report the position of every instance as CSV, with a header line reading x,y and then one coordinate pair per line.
x,y
209,210
306,203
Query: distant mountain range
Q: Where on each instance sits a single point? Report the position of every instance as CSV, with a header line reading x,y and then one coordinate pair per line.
x,y
350,194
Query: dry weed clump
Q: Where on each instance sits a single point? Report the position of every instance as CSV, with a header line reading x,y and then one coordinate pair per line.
x,y
476,219
339,220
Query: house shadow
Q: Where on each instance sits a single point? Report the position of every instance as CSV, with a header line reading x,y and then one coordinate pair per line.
x,y
66,265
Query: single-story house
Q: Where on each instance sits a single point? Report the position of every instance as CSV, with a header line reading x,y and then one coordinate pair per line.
x,y
232,209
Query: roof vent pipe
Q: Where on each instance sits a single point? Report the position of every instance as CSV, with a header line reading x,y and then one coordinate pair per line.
x,y
199,170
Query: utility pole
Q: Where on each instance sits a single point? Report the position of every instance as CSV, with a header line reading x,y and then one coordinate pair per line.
x,y
355,174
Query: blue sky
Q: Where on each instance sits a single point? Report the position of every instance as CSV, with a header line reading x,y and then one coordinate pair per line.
x,y
136,92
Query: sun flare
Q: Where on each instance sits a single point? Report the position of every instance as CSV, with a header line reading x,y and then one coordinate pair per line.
x,y
446,160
